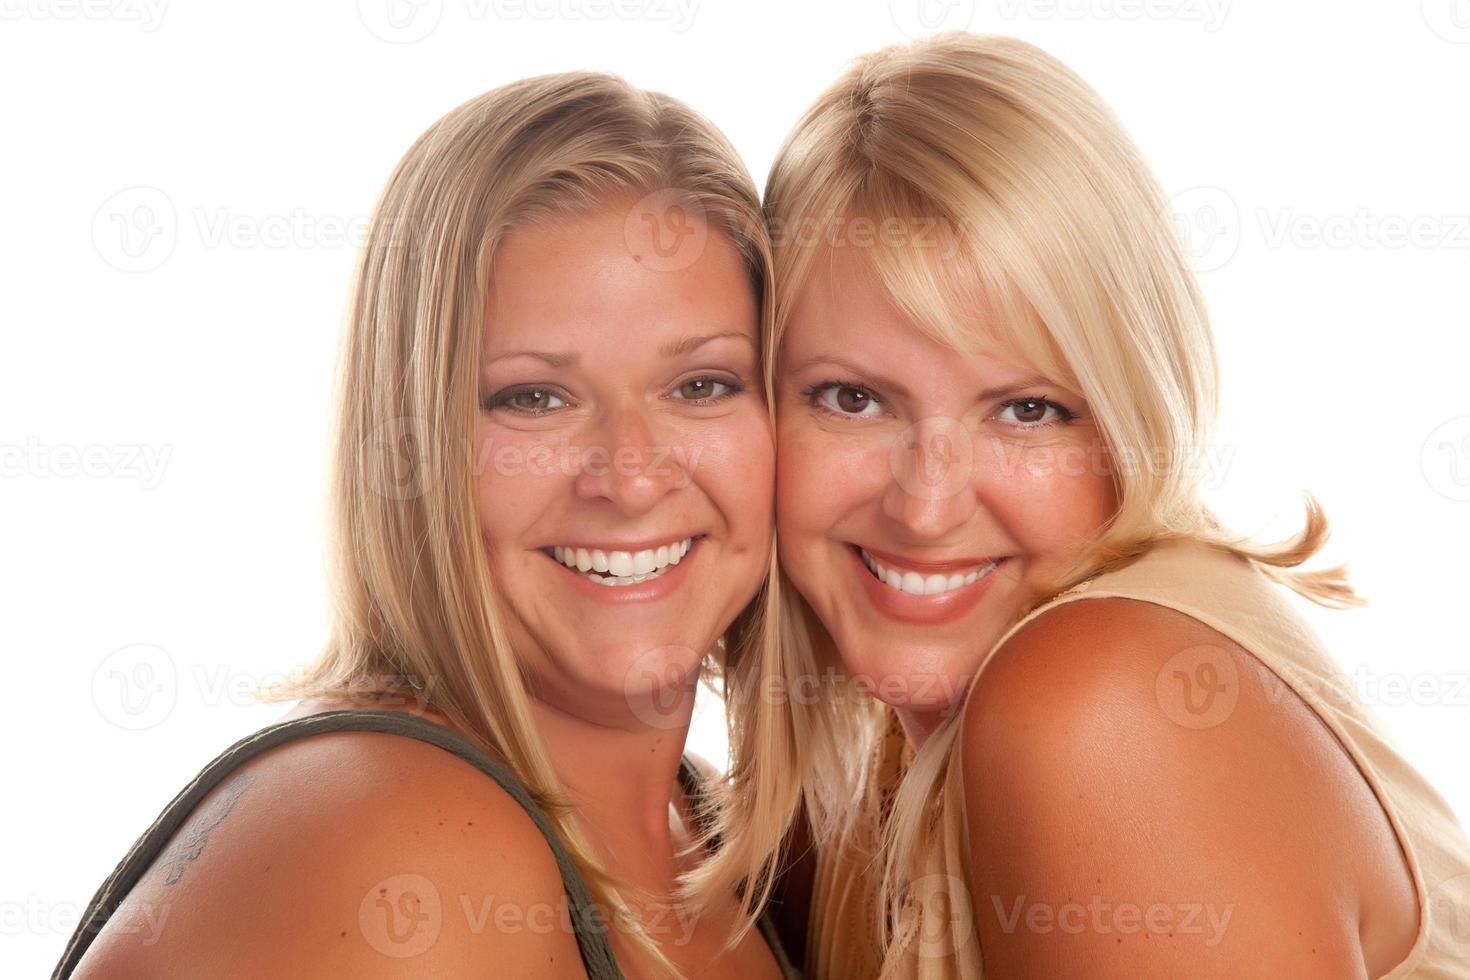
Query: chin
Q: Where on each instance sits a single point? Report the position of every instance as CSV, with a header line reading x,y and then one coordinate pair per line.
x,y
915,678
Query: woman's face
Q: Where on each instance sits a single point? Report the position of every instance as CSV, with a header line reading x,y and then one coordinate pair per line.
x,y
920,489
624,455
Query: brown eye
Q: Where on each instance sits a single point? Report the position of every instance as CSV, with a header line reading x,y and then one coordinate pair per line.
x,y
852,400
843,399
1030,410
1034,413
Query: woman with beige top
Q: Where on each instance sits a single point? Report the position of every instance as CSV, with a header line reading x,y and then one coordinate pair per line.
x,y
1067,724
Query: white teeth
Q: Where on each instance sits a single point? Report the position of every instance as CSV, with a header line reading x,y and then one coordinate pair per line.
x,y
915,584
621,567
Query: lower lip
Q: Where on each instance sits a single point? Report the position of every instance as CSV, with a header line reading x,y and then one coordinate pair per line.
x,y
943,607
649,591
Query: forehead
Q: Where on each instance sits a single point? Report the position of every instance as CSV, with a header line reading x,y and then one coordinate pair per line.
x,y
839,303
590,280
844,305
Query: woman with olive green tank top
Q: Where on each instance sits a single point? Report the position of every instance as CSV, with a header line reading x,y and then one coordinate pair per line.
x,y
591,935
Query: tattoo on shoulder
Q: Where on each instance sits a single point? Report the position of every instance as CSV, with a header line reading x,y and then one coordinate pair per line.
x,y
189,844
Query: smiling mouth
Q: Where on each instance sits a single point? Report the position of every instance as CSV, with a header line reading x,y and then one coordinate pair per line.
x,y
621,568
919,583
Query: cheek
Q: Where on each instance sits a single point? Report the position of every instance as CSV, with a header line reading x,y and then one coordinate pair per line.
x,y
822,477
514,474
734,463
1048,500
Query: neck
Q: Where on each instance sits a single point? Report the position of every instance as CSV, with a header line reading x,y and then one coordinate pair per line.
x,y
623,782
919,724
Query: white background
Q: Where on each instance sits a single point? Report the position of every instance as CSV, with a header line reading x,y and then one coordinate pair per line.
x,y
163,410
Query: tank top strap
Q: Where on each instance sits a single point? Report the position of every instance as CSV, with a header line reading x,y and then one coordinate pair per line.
x,y
592,940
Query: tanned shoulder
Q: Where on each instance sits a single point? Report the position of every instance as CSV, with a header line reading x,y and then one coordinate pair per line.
x,y
348,854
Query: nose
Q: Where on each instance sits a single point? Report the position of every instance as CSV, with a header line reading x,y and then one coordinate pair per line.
x,y
932,491
628,466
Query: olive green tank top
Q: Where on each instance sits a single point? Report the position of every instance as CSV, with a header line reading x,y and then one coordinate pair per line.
x,y
592,940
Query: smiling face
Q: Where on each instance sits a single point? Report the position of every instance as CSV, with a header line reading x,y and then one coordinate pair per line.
x,y
921,490
624,457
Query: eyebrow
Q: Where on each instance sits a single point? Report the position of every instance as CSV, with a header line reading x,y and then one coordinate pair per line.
x,y
888,384
674,348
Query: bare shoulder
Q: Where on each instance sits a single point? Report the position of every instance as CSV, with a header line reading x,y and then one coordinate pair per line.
x,y
1143,796
347,854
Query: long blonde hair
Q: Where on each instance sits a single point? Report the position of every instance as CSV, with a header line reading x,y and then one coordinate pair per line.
x,y
415,607
991,178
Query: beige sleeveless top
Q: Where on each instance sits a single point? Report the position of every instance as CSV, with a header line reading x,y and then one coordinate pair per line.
x,y
1232,596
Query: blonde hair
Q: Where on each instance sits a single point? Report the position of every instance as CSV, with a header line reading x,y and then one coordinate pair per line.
x,y
1010,196
414,603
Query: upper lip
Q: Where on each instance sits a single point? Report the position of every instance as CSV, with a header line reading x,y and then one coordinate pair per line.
x,y
929,565
648,544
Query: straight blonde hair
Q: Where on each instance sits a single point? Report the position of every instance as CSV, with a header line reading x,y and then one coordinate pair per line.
x,y
416,611
1003,193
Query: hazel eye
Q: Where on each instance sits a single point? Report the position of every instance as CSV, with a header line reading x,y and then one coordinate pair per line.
x,y
528,401
703,390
